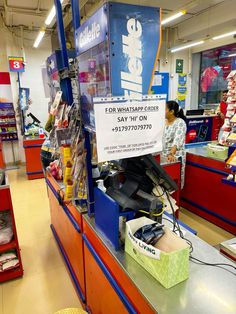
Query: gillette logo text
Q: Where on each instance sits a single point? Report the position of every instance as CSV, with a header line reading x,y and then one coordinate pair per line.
x,y
131,80
89,34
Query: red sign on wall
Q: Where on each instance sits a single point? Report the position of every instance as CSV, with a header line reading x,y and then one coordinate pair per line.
x,y
16,64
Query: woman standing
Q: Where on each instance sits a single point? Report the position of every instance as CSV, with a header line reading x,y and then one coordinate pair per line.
x,y
174,136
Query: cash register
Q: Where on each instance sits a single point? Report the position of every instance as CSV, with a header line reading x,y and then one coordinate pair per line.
x,y
129,195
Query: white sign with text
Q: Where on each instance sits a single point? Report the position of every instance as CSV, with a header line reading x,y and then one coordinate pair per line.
x,y
127,127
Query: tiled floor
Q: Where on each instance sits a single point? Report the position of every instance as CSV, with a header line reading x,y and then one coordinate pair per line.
x,y
46,286
205,230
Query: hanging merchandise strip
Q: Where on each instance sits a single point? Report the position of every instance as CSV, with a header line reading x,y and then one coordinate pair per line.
x,y
128,127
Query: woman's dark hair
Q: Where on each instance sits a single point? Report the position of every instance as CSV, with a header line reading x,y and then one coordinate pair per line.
x,y
178,111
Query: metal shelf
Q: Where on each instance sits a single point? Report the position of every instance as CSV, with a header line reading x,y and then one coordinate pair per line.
x,y
7,115
9,139
7,123
11,273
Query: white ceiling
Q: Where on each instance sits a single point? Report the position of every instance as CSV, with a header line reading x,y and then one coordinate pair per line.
x,y
29,4
30,13
204,17
33,12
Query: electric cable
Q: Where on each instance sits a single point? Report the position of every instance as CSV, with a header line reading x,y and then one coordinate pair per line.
x,y
148,213
167,219
211,264
175,222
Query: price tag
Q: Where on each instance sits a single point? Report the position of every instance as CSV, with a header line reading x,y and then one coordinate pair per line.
x,y
16,64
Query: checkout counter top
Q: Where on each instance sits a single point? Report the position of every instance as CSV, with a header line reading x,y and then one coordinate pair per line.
x,y
202,116
208,290
30,138
200,149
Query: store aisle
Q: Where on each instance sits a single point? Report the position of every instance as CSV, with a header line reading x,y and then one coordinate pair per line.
x,y
45,286
205,229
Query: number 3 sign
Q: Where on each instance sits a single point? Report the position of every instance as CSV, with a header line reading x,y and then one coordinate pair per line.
x,y
16,64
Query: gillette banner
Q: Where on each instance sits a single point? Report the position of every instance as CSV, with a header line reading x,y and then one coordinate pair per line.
x,y
122,41
93,31
134,44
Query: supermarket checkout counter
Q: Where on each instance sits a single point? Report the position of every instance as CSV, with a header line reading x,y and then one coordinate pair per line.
x,y
115,283
32,146
109,281
205,192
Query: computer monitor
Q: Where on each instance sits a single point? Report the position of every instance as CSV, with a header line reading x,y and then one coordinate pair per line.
x,y
146,171
195,112
34,118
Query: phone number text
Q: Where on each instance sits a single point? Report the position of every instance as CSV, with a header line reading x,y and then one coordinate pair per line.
x,y
126,128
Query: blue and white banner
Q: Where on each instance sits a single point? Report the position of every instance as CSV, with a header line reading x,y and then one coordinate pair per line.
x,y
93,31
24,98
135,39
51,64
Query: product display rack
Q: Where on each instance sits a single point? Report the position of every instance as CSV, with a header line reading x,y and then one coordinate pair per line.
x,y
8,128
230,125
6,205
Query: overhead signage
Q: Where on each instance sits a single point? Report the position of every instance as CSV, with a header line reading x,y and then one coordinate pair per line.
x,y
133,127
182,89
132,30
92,32
16,64
179,65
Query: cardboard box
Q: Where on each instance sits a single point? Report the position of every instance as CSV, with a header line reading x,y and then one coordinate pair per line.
x,y
168,261
216,151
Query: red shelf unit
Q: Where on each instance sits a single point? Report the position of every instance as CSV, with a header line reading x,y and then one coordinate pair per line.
x,y
8,246
11,274
2,162
6,205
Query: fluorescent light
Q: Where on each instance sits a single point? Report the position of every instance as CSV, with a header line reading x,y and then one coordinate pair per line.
x,y
51,15
187,46
39,38
232,55
173,17
224,35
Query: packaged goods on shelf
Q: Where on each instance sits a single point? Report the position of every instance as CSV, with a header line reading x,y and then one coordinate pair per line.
x,y
230,119
8,260
6,232
232,159
68,142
